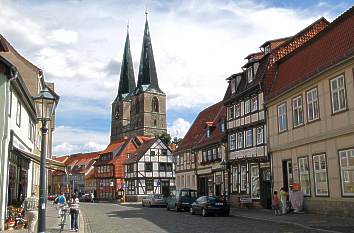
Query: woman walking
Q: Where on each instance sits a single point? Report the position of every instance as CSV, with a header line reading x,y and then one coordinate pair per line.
x,y
74,212
283,198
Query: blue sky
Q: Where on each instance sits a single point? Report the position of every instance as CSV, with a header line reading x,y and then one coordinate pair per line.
x,y
197,45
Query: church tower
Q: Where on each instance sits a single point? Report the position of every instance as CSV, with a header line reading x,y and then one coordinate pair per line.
x,y
148,106
120,122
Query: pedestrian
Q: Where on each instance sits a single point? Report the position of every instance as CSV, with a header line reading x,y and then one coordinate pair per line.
x,y
74,212
276,204
284,200
92,198
30,205
61,203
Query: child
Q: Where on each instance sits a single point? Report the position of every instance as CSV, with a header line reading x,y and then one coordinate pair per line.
x,y
276,203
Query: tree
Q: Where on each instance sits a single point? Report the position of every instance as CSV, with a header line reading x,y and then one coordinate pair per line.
x,y
176,140
165,138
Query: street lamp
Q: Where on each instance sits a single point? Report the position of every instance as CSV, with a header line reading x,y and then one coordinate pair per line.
x,y
45,105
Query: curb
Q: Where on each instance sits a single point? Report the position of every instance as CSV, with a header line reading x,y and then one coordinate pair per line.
x,y
81,222
284,222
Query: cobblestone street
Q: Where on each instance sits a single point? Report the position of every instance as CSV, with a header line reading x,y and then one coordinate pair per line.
x,y
132,218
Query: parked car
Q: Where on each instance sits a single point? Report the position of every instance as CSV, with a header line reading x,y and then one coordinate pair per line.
x,y
205,205
181,199
85,198
153,200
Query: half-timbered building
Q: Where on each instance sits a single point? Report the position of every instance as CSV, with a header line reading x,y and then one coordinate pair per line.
x,y
246,118
149,170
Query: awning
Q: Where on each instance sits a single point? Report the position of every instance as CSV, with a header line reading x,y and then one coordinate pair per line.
x,y
50,163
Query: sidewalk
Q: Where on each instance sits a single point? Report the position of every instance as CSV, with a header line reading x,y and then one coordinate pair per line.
x,y
52,222
324,223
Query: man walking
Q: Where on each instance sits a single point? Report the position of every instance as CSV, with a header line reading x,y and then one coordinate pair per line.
x,y
61,203
30,205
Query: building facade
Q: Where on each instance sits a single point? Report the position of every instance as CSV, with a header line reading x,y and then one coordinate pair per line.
x,y
139,110
149,170
311,125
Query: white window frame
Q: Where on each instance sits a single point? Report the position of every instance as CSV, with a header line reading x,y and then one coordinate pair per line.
x,y
260,135
231,112
313,111
239,140
247,106
249,74
235,182
346,170
238,110
338,94
232,141
254,104
298,111
322,160
282,118
249,138
304,170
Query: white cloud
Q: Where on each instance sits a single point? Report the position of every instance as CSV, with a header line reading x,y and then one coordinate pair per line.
x,y
179,128
63,36
70,140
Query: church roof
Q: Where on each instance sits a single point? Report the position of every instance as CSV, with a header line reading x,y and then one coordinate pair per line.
x,y
127,78
147,77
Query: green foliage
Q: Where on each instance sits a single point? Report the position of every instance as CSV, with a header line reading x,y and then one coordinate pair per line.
x,y
165,138
176,140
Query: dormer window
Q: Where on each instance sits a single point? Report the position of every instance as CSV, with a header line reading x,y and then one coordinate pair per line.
x,y
249,74
255,67
238,80
233,86
267,49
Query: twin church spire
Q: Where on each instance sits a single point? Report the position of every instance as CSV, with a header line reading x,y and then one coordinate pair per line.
x,y
147,76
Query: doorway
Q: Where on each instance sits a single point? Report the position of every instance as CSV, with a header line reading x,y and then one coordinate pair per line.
x,y
266,188
165,188
287,174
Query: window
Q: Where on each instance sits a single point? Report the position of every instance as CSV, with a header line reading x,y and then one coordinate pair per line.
x,y
18,114
148,166
232,141
267,49
155,104
209,155
304,175
298,113
247,106
235,179
163,151
282,119
249,75
255,186
204,156
313,112
339,102
214,154
31,131
249,137
320,173
162,167
254,104
219,153
238,110
149,183
231,112
168,167
222,126
239,140
233,86
346,159
208,133
238,80
244,178
259,135
152,153
255,67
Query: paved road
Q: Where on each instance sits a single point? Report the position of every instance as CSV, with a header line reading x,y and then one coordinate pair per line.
x,y
132,218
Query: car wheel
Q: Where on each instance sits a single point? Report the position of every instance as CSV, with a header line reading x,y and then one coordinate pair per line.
x,y
191,211
204,212
176,208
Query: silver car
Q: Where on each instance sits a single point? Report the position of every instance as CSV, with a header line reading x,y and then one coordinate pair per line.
x,y
153,200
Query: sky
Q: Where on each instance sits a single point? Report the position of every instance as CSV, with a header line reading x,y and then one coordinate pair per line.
x,y
197,45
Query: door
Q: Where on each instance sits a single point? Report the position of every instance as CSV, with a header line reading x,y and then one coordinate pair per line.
x,y
266,192
203,186
165,188
287,174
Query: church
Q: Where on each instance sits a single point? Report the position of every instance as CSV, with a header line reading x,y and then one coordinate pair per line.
x,y
139,108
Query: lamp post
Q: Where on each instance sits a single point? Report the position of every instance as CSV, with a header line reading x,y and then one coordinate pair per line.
x,y
45,105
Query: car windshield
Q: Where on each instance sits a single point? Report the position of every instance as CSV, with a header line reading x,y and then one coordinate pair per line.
x,y
214,199
158,196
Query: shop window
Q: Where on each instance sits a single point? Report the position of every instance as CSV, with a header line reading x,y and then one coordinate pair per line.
x,y
320,173
346,158
255,186
235,179
298,113
304,175
339,100
244,180
313,112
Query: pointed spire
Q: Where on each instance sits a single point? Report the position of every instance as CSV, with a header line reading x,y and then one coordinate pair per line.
x,y
147,70
127,78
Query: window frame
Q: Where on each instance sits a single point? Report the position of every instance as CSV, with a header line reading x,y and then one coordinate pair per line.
x,y
250,74
314,174
238,141
145,166
150,185
247,110
286,117
300,111
235,176
257,136
247,137
231,112
237,110
230,141
345,94
309,174
312,102
340,171
246,181
254,102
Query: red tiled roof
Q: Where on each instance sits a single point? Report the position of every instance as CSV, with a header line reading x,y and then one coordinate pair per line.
x,y
141,150
61,158
83,161
196,135
114,145
330,46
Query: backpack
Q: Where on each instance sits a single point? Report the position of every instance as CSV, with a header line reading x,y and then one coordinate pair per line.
x,y
56,200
